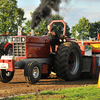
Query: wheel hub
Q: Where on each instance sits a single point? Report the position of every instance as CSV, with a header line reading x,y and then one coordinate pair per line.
x,y
8,74
73,62
35,72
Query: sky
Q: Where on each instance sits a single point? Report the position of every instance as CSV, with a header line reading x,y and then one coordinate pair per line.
x,y
71,11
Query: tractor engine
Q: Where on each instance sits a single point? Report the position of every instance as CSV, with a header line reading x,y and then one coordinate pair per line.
x,y
31,47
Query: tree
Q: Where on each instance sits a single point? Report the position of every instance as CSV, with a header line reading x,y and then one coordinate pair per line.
x,y
10,16
82,28
59,26
73,31
27,28
42,28
94,29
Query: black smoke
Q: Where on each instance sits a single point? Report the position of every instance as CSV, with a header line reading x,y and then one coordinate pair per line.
x,y
44,10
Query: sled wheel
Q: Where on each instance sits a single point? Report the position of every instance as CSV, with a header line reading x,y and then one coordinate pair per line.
x,y
6,76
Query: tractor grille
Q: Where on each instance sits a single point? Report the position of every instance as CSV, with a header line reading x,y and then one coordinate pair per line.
x,y
19,49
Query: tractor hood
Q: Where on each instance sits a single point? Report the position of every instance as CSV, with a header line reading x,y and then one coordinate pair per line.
x,y
31,39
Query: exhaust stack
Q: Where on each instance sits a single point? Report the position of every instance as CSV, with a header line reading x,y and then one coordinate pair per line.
x,y
32,32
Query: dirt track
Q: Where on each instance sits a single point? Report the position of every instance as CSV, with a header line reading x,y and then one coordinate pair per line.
x,y
19,86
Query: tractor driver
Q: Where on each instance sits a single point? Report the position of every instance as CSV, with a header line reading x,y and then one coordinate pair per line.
x,y
53,37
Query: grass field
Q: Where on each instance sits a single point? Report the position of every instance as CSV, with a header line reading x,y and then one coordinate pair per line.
x,y
76,93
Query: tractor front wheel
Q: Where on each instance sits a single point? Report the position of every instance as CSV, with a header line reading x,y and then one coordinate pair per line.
x,y
32,72
6,76
68,61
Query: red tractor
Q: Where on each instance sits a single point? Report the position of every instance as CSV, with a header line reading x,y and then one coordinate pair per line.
x,y
34,54
5,45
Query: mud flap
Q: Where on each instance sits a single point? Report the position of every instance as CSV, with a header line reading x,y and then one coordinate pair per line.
x,y
90,65
97,68
87,61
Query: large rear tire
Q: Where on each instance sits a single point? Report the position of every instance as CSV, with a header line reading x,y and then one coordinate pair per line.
x,y
6,76
68,61
32,72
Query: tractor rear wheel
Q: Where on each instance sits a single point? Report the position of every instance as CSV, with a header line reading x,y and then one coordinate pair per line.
x,y
32,72
68,61
6,76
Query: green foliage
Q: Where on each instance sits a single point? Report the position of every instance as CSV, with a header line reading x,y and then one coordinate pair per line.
x,y
10,16
73,31
94,29
59,26
82,27
41,29
86,29
26,28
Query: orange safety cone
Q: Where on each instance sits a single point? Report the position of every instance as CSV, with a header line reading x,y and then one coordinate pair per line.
x,y
99,78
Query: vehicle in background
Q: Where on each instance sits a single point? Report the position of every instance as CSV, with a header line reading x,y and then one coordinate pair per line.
x,y
5,45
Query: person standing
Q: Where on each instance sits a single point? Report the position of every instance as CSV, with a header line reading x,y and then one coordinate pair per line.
x,y
53,37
